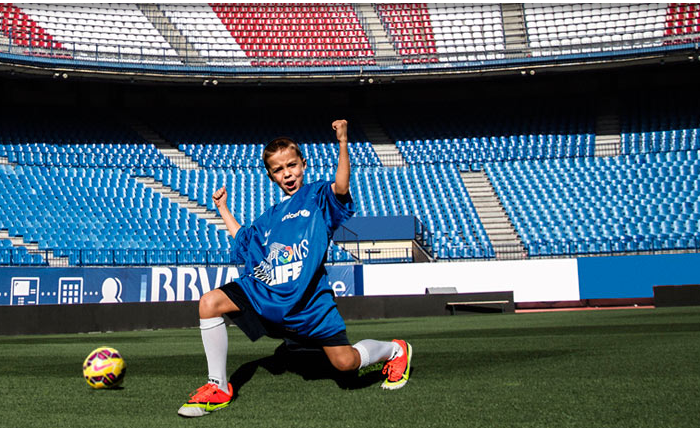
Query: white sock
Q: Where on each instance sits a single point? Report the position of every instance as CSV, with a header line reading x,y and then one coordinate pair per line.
x,y
374,351
215,340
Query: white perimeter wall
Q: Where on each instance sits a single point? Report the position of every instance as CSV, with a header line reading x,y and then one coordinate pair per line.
x,y
530,280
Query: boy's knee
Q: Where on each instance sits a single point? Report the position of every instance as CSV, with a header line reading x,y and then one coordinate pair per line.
x,y
209,306
347,361
215,303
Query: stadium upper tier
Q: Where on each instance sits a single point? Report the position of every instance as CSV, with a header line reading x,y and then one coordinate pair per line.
x,y
583,27
239,36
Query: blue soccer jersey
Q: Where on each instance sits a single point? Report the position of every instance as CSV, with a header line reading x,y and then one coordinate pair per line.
x,y
283,252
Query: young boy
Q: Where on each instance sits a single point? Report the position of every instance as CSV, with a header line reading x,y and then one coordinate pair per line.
x,y
283,291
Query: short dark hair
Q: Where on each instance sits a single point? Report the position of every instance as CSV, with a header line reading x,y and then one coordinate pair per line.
x,y
280,143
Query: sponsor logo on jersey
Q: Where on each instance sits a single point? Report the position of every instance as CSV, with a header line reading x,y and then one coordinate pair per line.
x,y
303,213
283,263
286,255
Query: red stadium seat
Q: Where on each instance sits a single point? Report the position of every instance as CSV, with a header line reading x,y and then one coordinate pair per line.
x,y
300,31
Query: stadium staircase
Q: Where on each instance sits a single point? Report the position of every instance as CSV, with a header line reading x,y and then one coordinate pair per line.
x,y
389,155
378,37
385,148
177,157
499,229
175,197
607,140
514,26
187,53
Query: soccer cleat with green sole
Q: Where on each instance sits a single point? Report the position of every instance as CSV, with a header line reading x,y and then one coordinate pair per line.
x,y
205,400
398,369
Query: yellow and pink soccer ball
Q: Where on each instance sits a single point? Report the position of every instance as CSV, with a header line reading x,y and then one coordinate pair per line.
x,y
104,367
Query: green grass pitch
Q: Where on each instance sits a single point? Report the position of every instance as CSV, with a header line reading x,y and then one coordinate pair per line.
x,y
622,368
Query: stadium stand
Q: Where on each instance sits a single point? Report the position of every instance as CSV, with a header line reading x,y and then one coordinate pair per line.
x,y
602,205
23,30
467,32
539,155
576,28
472,153
202,27
250,155
296,34
102,216
141,156
560,198
533,175
109,31
75,140
670,124
378,191
409,27
472,137
223,142
246,128
683,22
237,35
18,256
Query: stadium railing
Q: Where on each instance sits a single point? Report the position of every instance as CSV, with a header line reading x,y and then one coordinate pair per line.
x,y
613,246
541,250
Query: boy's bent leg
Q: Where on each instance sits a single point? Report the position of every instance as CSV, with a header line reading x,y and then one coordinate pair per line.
x,y
217,393
344,358
212,306
216,303
397,354
374,351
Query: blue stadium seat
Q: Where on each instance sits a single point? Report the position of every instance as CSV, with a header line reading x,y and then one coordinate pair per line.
x,y
601,205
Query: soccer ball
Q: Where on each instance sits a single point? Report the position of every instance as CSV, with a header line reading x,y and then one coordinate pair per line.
x,y
104,368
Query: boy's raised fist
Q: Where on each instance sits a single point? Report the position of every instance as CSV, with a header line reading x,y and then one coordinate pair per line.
x,y
341,129
220,198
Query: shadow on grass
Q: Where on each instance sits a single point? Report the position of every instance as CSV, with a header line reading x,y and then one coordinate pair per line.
x,y
310,364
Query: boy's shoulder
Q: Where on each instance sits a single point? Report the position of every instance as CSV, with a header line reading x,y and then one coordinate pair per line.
x,y
311,189
317,183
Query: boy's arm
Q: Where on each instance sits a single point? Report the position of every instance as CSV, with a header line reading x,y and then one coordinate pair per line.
x,y
231,223
341,186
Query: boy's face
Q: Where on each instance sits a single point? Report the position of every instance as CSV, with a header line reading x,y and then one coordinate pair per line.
x,y
286,168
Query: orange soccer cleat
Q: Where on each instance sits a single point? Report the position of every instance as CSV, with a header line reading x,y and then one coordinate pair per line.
x,y
397,369
205,400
